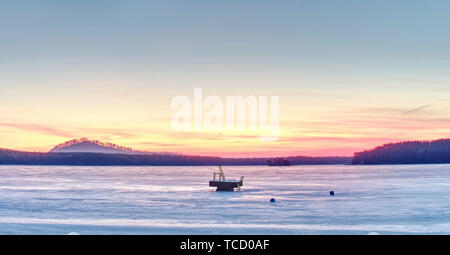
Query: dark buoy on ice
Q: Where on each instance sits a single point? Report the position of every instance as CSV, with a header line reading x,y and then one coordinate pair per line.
x,y
331,193
272,200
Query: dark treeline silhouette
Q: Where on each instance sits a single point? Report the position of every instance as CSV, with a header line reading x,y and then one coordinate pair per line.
x,y
9,157
413,152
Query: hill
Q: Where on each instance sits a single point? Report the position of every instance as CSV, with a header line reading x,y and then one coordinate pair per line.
x,y
411,152
85,145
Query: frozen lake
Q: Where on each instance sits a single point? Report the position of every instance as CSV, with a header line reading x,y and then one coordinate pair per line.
x,y
410,199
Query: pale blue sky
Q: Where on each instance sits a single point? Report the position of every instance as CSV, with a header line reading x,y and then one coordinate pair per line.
x,y
133,38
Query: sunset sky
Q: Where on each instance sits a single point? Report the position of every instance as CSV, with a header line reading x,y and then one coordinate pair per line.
x,y
350,74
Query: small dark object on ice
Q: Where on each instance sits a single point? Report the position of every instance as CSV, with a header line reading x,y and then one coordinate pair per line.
x,y
272,200
279,162
331,193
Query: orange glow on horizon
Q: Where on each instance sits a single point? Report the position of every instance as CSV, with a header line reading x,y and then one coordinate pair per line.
x,y
337,126
308,138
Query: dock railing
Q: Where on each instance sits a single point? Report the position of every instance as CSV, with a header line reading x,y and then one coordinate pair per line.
x,y
221,175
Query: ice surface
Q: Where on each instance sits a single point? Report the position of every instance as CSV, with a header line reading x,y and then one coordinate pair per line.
x,y
411,199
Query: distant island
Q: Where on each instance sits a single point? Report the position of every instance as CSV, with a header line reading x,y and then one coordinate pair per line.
x,y
412,152
85,152
279,162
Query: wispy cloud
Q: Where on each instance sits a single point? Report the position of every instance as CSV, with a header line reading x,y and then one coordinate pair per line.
x,y
38,128
416,109
69,132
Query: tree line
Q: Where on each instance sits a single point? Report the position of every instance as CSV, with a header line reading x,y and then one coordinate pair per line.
x,y
411,152
9,157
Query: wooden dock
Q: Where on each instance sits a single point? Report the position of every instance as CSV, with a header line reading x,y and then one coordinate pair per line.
x,y
225,185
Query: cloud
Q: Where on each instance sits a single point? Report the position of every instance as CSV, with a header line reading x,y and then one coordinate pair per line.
x,y
69,132
355,139
416,109
38,128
